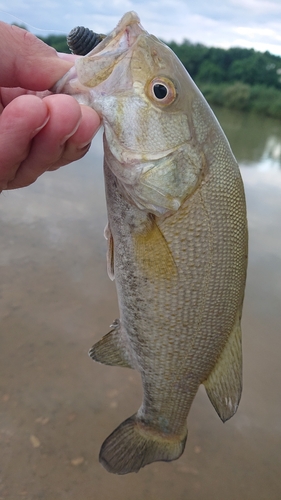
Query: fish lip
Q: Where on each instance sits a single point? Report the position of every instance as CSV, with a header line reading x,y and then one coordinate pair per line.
x,y
123,36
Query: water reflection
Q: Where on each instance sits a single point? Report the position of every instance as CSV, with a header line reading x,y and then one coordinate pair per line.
x,y
56,406
255,140
271,158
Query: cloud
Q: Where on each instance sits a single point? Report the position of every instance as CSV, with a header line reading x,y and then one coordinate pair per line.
x,y
248,23
258,7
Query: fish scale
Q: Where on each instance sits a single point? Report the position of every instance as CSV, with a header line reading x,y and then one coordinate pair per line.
x,y
177,240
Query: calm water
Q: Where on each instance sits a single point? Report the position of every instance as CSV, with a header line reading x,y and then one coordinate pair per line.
x,y
57,406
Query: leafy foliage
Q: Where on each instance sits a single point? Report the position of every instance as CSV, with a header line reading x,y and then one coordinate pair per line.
x,y
236,64
235,78
57,41
257,98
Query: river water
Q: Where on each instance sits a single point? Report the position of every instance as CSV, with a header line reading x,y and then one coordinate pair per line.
x,y
57,406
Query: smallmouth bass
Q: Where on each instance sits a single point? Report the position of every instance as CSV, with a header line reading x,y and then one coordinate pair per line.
x,y
177,240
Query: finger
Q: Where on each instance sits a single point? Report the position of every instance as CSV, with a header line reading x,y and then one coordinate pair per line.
x,y
79,143
8,94
19,123
48,146
28,62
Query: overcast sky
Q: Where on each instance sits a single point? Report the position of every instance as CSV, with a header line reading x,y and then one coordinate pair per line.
x,y
220,23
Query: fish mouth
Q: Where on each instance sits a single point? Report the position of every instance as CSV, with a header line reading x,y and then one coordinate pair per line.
x,y
94,68
97,66
120,38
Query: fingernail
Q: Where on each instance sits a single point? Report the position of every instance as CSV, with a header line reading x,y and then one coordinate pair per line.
x,y
84,146
66,137
41,126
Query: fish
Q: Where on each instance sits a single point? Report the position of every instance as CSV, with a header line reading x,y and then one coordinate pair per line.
x,y
177,240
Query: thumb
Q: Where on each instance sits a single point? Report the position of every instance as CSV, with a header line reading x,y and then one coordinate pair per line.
x,y
28,62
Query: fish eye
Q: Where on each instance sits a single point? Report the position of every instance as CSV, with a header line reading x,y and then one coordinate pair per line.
x,y
162,91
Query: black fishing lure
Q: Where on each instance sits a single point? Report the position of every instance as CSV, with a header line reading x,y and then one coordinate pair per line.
x,y
82,40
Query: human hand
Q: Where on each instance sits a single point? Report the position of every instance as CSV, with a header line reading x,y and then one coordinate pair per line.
x,y
37,133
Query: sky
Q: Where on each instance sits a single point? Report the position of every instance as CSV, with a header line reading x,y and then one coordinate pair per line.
x,y
219,23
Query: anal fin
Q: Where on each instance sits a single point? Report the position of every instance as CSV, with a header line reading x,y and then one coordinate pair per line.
x,y
224,384
109,349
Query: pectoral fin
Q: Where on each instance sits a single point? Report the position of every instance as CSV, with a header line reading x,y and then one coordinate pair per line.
x,y
224,384
109,350
153,254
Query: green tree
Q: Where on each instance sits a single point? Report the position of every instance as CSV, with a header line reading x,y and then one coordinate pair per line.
x,y
237,96
209,72
57,41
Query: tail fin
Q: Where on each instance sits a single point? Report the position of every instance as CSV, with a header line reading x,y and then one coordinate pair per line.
x,y
133,445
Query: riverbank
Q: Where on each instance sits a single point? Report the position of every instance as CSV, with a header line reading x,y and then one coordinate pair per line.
x,y
244,97
235,78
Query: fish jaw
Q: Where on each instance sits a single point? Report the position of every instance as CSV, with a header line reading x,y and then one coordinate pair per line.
x,y
155,169
94,68
97,66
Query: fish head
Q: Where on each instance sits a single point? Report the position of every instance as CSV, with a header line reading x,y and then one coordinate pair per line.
x,y
147,102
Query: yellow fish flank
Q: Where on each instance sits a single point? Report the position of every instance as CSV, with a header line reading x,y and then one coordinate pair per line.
x,y
177,240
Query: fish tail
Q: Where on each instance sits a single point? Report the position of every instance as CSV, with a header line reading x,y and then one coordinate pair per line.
x,y
133,445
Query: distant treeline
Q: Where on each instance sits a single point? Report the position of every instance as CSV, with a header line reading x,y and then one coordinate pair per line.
x,y
235,78
57,41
